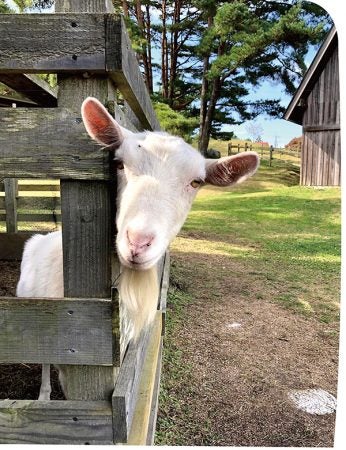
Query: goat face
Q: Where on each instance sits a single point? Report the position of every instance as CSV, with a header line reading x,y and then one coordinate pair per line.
x,y
158,178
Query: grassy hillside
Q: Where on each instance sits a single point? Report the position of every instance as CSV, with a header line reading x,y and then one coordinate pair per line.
x,y
288,234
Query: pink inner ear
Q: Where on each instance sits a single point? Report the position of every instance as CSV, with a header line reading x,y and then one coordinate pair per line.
x,y
99,123
230,170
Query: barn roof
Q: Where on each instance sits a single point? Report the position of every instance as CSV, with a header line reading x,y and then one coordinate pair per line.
x,y
295,109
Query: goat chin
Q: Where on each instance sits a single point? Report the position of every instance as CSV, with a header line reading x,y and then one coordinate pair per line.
x,y
139,292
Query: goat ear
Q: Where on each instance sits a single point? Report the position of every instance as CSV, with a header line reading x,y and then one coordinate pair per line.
x,y
231,169
100,125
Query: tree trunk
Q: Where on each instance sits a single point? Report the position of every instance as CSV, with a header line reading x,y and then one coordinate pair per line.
x,y
206,126
204,100
144,55
174,52
164,51
149,55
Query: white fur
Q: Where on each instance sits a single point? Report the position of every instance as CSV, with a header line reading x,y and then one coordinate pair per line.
x,y
154,197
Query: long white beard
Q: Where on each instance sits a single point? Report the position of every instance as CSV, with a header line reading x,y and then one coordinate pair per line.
x,y
139,294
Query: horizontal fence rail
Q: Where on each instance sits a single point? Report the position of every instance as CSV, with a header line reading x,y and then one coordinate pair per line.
x,y
48,143
33,87
33,201
95,43
55,422
57,331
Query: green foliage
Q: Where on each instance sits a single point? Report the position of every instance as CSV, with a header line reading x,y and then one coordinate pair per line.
x,y
174,122
50,78
4,8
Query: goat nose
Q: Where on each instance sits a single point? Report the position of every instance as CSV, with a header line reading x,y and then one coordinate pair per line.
x,y
138,241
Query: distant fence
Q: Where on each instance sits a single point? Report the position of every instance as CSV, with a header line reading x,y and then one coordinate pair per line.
x,y
269,152
25,202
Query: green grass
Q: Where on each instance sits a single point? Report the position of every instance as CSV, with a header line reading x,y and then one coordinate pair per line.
x,y
177,416
287,234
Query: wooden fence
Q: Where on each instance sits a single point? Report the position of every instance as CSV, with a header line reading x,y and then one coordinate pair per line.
x,y
268,152
116,401
23,202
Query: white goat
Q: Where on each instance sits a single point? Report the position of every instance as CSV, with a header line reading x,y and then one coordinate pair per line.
x,y
158,178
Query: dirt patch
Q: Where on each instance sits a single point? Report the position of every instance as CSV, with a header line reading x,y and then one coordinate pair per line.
x,y
9,276
245,355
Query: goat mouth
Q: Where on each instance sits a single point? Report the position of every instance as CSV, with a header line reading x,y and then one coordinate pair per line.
x,y
139,265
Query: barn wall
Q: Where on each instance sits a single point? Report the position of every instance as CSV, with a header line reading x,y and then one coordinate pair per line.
x,y
321,148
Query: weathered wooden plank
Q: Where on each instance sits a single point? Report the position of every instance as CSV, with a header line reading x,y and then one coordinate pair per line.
x,y
123,69
11,192
8,101
11,245
140,423
330,127
57,43
87,238
23,187
32,86
55,422
155,399
57,331
27,217
96,43
88,227
126,389
48,143
34,203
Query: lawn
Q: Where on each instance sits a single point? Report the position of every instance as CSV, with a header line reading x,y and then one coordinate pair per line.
x,y
289,235
274,248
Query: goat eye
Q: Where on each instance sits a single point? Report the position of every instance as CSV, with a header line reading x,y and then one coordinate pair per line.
x,y
196,183
119,165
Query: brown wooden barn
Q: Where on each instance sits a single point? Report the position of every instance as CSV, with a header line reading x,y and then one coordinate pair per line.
x,y
316,106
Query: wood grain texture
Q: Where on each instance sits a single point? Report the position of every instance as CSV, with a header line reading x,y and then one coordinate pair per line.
x,y
32,86
55,422
321,150
123,69
11,192
88,217
57,331
87,239
49,43
126,389
88,43
48,217
141,417
48,143
8,101
150,439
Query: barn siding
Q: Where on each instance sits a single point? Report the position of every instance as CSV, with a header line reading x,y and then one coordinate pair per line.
x,y
320,165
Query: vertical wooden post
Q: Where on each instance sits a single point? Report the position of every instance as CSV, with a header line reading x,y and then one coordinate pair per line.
x,y
88,218
271,148
11,193
229,149
238,147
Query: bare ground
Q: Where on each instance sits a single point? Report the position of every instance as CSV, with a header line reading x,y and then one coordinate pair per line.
x,y
244,355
